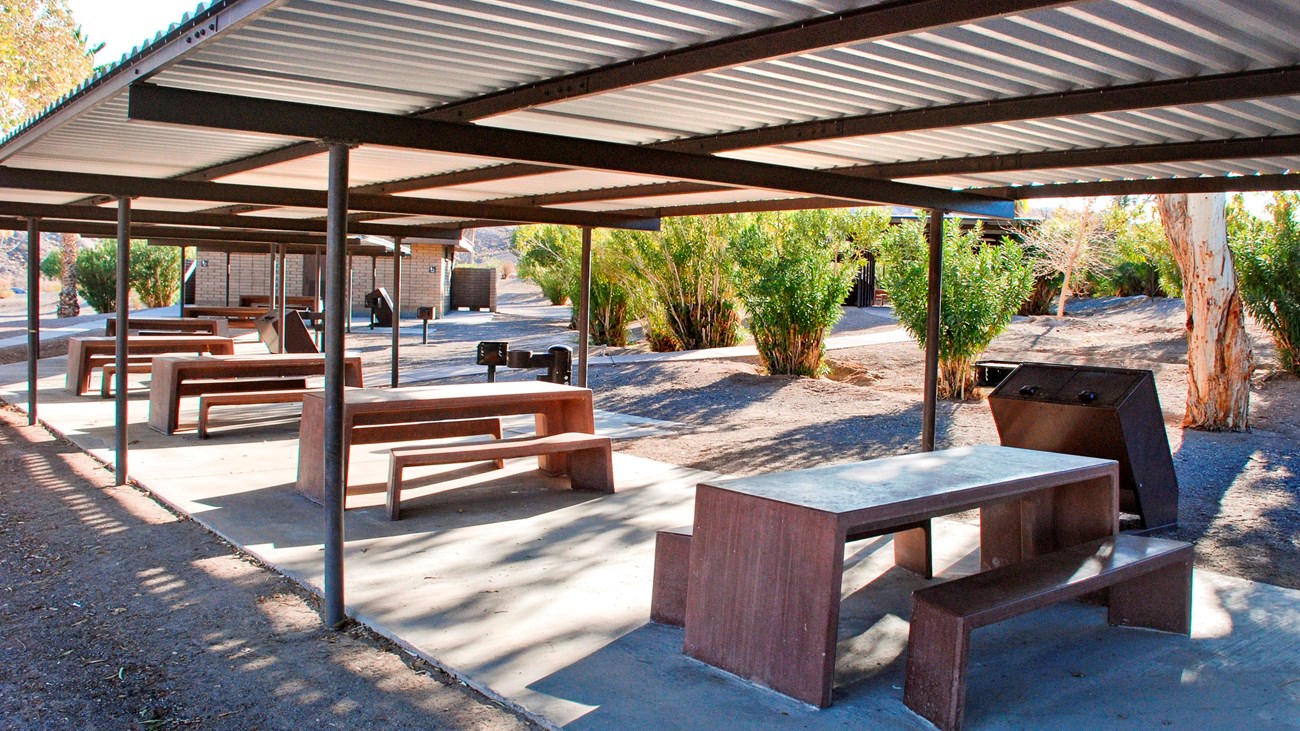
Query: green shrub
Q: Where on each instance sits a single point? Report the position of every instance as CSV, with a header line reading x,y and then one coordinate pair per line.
x,y
688,301
548,257
1144,263
1267,257
983,286
155,273
52,265
97,275
611,293
792,273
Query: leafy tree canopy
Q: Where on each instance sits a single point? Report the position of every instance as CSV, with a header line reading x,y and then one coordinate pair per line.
x,y
42,56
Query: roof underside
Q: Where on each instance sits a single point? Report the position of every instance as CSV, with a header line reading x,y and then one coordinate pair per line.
x,y
919,91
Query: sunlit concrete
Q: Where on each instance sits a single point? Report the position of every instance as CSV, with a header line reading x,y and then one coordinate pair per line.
x,y
540,595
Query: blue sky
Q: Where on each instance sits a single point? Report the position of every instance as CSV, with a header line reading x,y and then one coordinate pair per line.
x,y
121,24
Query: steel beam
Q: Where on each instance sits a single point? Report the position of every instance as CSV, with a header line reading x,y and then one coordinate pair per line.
x,y
934,303
199,218
108,230
120,424
33,313
397,310
1200,90
247,114
1153,186
1229,149
335,255
121,185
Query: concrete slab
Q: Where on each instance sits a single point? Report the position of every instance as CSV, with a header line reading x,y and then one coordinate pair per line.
x,y
540,596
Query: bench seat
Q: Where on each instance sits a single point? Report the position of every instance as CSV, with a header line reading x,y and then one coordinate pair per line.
x,y
589,465
244,398
108,370
1148,583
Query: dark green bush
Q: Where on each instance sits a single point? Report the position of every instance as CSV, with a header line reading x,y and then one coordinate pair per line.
x,y
1144,263
1267,257
548,257
792,272
97,275
687,301
155,273
52,265
983,286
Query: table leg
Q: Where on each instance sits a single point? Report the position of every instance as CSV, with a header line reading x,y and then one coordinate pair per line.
x,y
764,601
164,397
311,454
1047,520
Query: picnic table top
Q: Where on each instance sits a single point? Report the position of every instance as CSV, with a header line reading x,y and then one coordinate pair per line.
x,y
916,477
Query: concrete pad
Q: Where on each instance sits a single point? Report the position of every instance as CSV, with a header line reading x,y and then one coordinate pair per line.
x,y
539,595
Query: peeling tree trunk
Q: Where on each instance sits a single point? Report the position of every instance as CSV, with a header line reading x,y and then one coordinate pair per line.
x,y
1218,349
68,303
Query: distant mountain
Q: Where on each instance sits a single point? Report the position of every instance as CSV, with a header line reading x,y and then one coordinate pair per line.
x,y
13,254
492,244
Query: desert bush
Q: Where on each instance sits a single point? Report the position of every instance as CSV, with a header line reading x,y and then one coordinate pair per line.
x,y
52,265
612,287
548,257
97,275
1046,288
1072,243
1267,258
1143,262
792,272
6,287
507,269
688,301
155,273
983,286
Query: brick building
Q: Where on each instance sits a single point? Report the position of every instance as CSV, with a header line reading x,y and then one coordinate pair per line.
x,y
426,275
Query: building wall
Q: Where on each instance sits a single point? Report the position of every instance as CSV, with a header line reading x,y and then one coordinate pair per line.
x,y
426,277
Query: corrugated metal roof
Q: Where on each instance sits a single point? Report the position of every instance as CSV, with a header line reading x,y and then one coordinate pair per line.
x,y
406,57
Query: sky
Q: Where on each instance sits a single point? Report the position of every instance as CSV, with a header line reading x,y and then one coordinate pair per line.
x,y
121,24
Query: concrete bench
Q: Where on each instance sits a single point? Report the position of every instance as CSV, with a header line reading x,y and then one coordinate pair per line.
x,y
673,559
244,398
135,365
590,464
1149,582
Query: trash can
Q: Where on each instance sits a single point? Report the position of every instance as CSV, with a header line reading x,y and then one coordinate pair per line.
x,y
1109,413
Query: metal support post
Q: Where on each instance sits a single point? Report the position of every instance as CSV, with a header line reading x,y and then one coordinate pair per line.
x,y
584,308
397,306
33,313
181,299
347,322
123,326
335,256
933,305
228,278
279,293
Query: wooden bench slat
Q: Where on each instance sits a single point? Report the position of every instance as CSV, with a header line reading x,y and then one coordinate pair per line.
x,y
589,462
1149,582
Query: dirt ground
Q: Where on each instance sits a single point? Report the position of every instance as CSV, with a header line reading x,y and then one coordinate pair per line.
x,y
119,614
